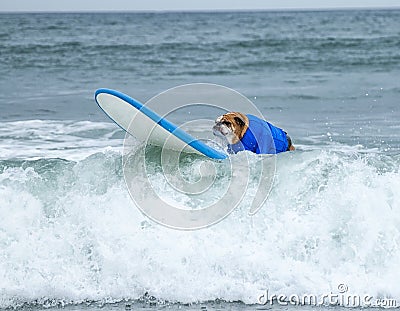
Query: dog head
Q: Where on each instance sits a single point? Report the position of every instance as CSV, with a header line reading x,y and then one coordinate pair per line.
x,y
231,126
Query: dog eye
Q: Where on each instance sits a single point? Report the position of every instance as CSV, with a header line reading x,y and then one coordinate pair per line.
x,y
227,123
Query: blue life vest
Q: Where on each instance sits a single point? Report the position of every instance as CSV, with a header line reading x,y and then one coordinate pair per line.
x,y
261,137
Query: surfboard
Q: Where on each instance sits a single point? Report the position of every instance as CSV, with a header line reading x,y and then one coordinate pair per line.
x,y
146,125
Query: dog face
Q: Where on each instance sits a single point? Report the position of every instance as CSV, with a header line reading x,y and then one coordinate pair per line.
x,y
231,126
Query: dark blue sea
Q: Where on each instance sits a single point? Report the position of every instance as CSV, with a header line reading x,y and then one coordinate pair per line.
x,y
71,236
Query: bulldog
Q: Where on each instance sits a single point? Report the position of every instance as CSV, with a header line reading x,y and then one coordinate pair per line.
x,y
248,132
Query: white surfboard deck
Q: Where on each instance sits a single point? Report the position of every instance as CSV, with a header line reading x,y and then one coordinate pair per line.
x,y
144,124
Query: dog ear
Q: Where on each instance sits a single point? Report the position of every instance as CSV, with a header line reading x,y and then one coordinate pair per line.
x,y
239,121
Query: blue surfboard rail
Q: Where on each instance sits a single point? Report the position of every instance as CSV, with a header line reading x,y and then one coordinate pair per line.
x,y
164,123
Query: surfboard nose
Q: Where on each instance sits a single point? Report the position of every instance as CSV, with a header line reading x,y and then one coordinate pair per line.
x,y
146,125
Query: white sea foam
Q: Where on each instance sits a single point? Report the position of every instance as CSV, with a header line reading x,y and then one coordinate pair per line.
x,y
70,232
72,140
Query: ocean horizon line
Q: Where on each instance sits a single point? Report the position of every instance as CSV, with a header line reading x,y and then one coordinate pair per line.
x,y
199,11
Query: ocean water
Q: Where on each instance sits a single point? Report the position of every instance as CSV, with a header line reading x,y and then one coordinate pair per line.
x,y
71,236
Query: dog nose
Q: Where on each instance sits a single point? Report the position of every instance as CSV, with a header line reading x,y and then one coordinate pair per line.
x,y
216,129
